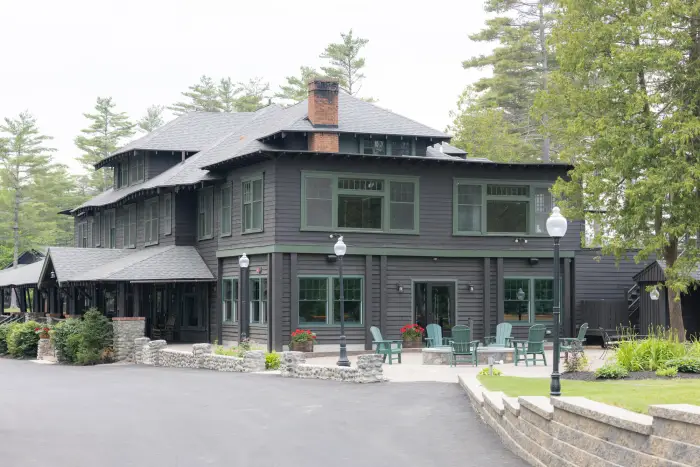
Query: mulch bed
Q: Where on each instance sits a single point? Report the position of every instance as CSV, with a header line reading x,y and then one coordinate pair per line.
x,y
634,375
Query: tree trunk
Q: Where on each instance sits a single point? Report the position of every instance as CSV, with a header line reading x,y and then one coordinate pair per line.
x,y
15,229
545,69
675,314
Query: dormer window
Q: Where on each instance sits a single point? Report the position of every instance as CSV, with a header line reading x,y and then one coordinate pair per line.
x,y
401,147
123,174
136,170
374,146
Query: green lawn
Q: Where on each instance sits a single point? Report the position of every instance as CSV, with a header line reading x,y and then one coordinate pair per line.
x,y
632,395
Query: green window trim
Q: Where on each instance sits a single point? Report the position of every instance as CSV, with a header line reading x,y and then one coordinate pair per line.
x,y
537,212
232,300
205,213
225,206
532,299
330,282
250,205
150,222
262,300
386,193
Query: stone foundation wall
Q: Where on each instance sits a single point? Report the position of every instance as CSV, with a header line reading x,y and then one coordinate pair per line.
x,y
575,431
45,350
126,330
156,353
368,370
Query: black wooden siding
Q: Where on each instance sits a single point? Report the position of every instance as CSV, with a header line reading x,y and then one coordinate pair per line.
x,y
156,164
435,186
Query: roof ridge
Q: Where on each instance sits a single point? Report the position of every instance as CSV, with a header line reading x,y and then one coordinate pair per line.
x,y
149,136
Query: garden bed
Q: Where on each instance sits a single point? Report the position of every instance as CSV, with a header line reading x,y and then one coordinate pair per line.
x,y
633,376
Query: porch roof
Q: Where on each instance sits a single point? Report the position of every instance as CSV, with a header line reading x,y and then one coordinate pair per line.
x,y
25,274
656,272
156,263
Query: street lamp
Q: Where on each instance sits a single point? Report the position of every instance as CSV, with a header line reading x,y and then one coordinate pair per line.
x,y
339,248
243,263
556,228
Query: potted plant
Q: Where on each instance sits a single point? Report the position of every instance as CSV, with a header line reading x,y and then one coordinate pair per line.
x,y
43,332
412,335
302,341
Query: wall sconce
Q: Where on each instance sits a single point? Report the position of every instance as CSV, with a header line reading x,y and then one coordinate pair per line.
x,y
470,287
53,275
399,288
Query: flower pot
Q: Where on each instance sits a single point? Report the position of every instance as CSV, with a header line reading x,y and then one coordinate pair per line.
x,y
307,346
412,343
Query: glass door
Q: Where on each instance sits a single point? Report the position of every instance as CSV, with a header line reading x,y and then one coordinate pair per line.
x,y
434,303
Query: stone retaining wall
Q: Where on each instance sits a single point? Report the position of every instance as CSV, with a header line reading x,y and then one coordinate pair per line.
x,y
125,331
368,370
156,353
575,431
45,350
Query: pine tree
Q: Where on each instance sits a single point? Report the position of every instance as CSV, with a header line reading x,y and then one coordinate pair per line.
x,y
253,95
201,97
227,95
105,134
345,62
152,120
521,64
625,105
23,157
297,87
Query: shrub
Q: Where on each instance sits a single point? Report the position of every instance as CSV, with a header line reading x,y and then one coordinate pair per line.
x,y
22,340
95,336
611,371
577,360
221,350
66,349
670,371
272,361
651,353
485,372
685,364
4,332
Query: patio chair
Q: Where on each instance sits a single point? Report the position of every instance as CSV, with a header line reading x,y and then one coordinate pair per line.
x,y
435,338
462,345
608,343
386,348
569,344
502,337
534,345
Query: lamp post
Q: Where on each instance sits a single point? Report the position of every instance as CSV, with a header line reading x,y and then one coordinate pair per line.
x,y
244,287
556,228
339,248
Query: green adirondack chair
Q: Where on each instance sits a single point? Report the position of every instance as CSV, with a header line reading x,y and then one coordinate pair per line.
x,y
534,345
387,348
463,345
435,338
502,338
569,344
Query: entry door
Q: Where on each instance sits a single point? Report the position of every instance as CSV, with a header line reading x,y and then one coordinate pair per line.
x,y
434,303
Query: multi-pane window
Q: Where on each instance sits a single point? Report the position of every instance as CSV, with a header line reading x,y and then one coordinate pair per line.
x,y
225,213
97,230
319,300
359,203
252,217
136,170
205,220
90,226
528,300
374,146
82,235
123,175
401,147
129,227
500,208
109,227
151,222
258,300
230,300
167,214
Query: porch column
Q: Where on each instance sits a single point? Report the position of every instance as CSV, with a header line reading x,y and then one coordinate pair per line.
x,y
137,299
294,295
369,304
70,298
121,299
487,297
383,304
2,301
500,293
569,323
219,310
276,280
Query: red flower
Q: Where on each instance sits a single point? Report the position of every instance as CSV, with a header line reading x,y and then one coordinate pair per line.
x,y
36,329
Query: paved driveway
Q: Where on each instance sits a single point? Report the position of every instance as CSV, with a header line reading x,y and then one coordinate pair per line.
x,y
124,415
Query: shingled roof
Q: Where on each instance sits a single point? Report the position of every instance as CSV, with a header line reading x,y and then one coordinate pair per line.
x,y
25,274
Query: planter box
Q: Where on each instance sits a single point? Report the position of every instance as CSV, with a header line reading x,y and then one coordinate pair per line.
x,y
307,346
412,344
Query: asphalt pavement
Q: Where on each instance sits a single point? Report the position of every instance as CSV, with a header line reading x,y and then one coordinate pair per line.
x,y
127,415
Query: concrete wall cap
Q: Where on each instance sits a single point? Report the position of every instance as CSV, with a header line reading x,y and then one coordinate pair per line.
x,y
685,413
511,404
473,387
604,413
538,404
495,401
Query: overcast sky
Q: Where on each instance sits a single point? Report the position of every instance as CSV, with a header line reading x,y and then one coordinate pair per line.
x,y
58,56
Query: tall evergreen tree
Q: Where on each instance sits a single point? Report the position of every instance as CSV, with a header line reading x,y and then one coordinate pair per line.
x,y
626,107
521,64
227,95
108,128
152,120
297,87
253,95
345,62
201,97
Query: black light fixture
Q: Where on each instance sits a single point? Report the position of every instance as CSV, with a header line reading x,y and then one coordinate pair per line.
x,y
556,228
399,288
470,287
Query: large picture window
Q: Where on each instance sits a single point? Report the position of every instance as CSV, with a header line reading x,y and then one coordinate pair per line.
x,y
252,218
258,300
500,208
230,300
151,222
205,220
528,300
319,300
359,203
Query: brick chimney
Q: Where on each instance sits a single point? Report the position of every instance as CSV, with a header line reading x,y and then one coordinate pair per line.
x,y
323,114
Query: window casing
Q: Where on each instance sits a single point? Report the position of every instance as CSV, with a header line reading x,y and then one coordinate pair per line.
x,y
225,211
82,234
205,220
230,300
252,204
319,300
123,175
500,208
151,222
537,302
90,230
109,229
136,170
354,202
167,214
258,300
129,227
97,230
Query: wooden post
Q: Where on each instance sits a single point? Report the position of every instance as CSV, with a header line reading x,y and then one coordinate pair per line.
x,y
383,304
121,299
500,293
294,295
569,321
487,297
219,301
276,280
369,304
